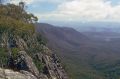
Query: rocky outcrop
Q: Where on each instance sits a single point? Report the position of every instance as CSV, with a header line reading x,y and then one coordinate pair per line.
x,y
29,62
26,68
21,43
10,74
23,61
52,66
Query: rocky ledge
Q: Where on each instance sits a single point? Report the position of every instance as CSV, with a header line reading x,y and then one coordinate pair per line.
x,y
10,74
52,68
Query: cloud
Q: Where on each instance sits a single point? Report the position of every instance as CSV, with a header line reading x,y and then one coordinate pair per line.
x,y
37,1
86,10
26,1
78,10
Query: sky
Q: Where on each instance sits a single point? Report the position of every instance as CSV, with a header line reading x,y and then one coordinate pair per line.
x,y
74,10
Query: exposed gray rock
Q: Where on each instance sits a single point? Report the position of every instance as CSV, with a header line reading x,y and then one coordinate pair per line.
x,y
10,74
28,70
43,76
21,43
31,66
53,68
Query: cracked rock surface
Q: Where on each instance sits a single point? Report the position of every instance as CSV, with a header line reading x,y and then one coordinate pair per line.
x,y
10,74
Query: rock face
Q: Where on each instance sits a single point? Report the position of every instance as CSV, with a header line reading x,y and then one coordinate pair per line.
x,y
53,67
24,62
29,62
9,74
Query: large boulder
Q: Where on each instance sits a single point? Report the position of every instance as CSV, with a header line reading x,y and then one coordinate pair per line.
x,y
10,74
29,62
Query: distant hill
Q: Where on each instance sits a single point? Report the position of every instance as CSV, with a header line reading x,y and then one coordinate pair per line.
x,y
84,58
91,26
62,37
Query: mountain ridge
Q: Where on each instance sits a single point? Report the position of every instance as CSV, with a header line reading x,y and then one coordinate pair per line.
x,y
84,57
69,36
